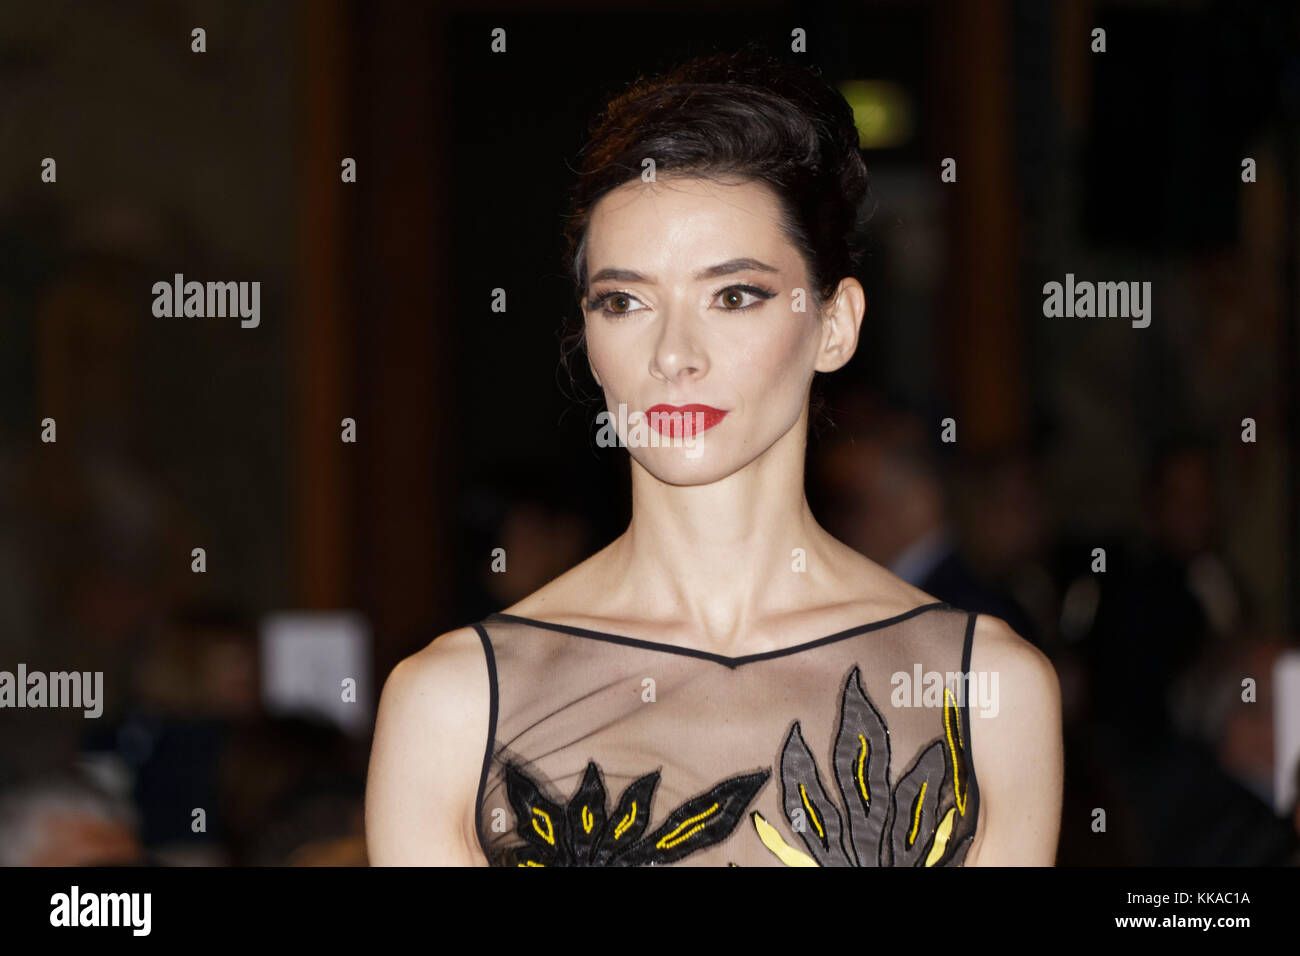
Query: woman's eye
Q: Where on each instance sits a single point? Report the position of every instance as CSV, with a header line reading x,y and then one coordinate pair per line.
x,y
614,303
739,297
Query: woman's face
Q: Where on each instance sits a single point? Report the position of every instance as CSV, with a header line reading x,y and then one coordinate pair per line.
x,y
697,298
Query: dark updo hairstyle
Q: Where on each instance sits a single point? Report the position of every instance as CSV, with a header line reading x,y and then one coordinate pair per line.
x,y
734,117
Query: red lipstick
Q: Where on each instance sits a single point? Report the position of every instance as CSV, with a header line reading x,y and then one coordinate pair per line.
x,y
675,421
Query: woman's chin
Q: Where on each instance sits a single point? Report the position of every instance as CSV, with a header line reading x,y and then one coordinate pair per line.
x,y
681,466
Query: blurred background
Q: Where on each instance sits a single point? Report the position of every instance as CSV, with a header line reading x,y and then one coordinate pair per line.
x,y
238,700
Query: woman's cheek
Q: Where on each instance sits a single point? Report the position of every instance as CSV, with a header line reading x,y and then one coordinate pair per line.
x,y
774,362
606,371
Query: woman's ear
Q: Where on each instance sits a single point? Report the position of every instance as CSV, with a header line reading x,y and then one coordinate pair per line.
x,y
841,323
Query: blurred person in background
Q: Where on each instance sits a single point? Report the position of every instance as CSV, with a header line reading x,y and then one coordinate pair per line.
x,y
195,682
291,791
1168,596
66,820
1211,704
884,494
86,529
318,823
537,521
1189,731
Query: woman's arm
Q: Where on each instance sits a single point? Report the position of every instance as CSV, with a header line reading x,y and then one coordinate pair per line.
x,y
427,755
1017,751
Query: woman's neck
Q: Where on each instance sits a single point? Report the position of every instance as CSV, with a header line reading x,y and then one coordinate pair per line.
x,y
721,556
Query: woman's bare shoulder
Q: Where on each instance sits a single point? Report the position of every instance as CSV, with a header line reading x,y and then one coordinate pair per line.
x,y
1017,745
997,646
454,645
444,673
427,754
1028,686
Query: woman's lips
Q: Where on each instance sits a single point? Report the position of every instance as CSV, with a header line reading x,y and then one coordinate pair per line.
x,y
674,421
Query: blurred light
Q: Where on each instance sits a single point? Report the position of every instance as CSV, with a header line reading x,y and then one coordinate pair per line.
x,y
882,111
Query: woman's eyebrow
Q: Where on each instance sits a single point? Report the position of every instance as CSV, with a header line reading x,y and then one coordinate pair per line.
x,y
712,272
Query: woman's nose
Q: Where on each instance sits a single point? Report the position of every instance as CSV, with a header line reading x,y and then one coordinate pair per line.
x,y
677,353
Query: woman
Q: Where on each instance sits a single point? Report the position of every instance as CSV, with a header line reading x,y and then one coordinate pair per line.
x,y
725,682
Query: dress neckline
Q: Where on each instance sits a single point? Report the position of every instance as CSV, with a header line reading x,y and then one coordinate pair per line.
x,y
732,662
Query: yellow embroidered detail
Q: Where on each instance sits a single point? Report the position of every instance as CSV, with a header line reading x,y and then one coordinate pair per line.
x,y
549,833
862,759
811,812
531,863
772,840
940,838
954,707
587,819
916,822
949,713
625,822
667,842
